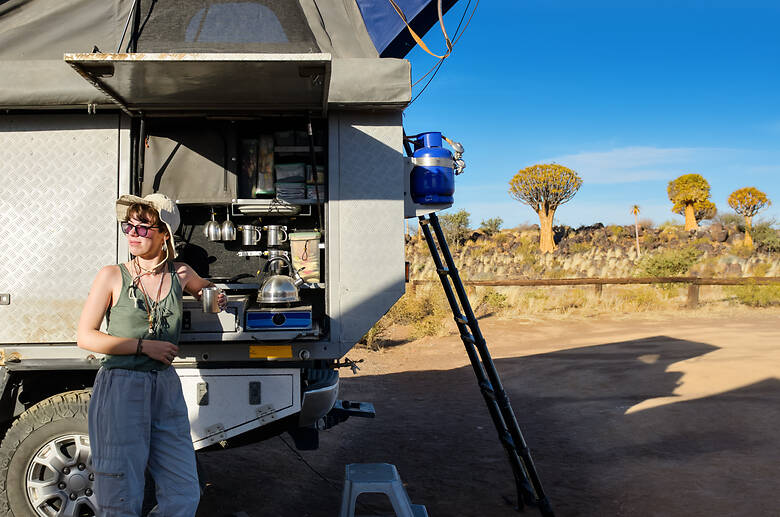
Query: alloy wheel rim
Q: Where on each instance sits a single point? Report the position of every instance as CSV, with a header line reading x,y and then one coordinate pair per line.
x,y
59,480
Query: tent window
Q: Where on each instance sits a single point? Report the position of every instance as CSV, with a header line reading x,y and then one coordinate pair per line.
x,y
266,26
235,22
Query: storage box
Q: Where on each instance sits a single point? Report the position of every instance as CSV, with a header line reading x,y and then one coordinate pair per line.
x,y
305,251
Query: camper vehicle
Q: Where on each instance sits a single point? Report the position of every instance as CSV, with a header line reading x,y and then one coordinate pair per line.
x,y
276,128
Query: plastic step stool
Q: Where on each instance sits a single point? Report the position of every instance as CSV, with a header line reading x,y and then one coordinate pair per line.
x,y
377,478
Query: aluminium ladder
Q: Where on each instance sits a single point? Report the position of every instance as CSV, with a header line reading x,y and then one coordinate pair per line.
x,y
529,487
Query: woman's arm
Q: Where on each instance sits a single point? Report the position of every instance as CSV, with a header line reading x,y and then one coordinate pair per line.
x,y
193,283
98,301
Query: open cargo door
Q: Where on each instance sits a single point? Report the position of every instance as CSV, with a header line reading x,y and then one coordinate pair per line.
x,y
208,82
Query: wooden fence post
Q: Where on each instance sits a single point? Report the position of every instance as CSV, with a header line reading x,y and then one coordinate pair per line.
x,y
693,296
598,288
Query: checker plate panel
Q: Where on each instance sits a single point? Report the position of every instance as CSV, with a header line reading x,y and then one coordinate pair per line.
x,y
58,179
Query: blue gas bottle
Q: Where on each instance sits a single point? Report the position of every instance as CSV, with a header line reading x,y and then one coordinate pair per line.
x,y
432,179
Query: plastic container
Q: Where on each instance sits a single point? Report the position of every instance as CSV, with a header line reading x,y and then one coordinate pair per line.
x,y
305,251
290,172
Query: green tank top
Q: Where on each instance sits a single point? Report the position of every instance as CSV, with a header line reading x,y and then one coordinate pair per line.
x,y
128,318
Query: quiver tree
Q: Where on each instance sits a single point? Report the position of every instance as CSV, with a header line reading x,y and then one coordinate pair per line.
x,y
747,202
635,211
690,194
545,187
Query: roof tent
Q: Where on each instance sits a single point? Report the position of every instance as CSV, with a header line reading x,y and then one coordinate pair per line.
x,y
387,29
207,54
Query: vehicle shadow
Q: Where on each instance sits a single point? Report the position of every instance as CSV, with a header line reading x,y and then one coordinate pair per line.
x,y
698,457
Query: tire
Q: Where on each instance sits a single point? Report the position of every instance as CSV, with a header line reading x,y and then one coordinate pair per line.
x,y
48,446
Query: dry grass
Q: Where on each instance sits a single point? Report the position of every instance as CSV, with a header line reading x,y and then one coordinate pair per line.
x,y
425,311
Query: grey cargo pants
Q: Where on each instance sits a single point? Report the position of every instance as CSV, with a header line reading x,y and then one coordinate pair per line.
x,y
139,419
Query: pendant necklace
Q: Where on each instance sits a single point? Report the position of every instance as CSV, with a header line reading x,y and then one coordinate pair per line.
x,y
149,305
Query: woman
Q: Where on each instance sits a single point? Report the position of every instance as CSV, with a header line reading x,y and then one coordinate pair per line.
x,y
137,414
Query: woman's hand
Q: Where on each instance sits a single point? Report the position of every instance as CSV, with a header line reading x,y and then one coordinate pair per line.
x,y
194,284
163,351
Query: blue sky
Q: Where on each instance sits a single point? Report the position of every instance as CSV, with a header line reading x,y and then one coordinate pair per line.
x,y
629,98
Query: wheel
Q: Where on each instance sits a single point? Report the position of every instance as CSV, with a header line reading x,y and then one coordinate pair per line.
x,y
45,460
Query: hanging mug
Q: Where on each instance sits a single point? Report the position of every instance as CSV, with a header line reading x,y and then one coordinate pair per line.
x,y
251,234
276,234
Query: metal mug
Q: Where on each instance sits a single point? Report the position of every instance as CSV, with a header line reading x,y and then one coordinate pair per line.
x,y
210,298
251,234
276,234
276,266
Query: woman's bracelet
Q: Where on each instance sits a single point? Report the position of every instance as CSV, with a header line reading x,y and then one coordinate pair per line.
x,y
139,349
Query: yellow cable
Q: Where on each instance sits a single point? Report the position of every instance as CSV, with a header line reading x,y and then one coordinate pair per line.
x,y
417,38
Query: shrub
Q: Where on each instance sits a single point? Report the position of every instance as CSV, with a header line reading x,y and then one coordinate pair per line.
x,y
742,251
493,299
455,226
428,326
761,269
501,238
647,224
731,220
424,311
640,298
580,247
373,338
673,262
573,299
491,226
615,230
765,237
756,295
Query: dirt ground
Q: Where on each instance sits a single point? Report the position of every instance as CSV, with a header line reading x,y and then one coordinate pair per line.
x,y
664,414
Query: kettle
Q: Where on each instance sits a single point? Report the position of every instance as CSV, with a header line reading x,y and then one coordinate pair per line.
x,y
279,288
228,229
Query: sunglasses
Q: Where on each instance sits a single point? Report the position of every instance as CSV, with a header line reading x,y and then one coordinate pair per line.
x,y
141,231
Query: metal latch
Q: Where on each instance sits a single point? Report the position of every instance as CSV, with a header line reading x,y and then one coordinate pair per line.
x,y
5,298
254,393
202,393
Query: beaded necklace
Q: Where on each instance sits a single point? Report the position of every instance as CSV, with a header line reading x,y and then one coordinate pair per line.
x,y
149,304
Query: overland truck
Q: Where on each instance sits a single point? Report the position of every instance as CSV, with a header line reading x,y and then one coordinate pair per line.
x,y
276,127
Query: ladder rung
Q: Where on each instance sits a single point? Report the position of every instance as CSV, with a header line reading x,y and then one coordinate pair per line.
x,y
487,390
443,271
460,318
467,338
506,438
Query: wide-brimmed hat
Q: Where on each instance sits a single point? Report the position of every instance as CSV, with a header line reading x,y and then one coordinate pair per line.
x,y
169,213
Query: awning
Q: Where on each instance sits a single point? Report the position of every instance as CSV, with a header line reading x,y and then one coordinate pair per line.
x,y
208,82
